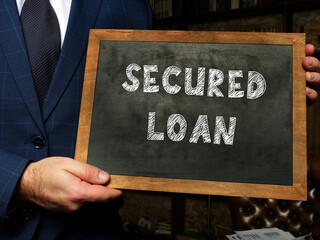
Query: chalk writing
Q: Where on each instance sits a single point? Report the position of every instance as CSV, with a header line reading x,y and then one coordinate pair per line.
x,y
177,124
256,84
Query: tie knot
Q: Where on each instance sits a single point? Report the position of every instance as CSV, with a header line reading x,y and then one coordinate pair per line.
x,y
29,5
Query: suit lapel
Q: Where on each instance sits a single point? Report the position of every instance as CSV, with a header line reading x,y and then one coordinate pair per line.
x,y
13,47
82,18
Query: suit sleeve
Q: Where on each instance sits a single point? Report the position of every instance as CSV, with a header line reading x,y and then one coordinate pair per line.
x,y
11,169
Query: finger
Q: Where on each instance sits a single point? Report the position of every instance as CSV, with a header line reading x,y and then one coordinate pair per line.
x,y
311,64
313,80
309,49
87,172
99,193
312,96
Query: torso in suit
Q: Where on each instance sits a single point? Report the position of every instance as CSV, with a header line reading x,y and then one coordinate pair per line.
x,y
29,133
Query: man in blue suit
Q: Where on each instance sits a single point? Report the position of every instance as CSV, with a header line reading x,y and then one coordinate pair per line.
x,y
39,180
40,183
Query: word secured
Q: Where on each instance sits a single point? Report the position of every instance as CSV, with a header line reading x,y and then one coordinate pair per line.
x,y
256,87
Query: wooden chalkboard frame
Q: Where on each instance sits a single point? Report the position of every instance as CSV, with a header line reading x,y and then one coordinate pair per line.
x,y
298,191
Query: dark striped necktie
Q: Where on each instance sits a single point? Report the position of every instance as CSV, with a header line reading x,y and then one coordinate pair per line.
x,y
42,37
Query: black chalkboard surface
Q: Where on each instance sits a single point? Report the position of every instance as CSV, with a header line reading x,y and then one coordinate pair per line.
x,y
170,112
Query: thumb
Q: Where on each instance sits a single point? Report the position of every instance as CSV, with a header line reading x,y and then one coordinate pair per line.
x,y
87,172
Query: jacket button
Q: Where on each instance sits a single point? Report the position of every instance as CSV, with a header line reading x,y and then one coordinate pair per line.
x,y
28,214
38,142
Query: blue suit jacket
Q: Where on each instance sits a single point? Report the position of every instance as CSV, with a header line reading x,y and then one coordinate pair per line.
x,y
21,119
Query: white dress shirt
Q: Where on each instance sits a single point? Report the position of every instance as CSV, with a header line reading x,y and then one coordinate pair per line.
x,y
62,9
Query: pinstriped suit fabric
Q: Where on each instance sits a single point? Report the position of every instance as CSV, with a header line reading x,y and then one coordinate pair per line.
x,y
21,118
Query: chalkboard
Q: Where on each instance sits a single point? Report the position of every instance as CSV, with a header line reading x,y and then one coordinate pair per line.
x,y
196,112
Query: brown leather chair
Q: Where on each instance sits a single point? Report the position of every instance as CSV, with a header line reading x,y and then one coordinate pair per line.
x,y
297,217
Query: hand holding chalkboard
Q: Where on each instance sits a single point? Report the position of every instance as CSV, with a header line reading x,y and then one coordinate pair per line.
x,y
312,65
44,183
214,113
